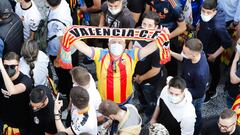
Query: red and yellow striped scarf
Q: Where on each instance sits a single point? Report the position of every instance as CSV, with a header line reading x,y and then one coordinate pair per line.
x,y
82,32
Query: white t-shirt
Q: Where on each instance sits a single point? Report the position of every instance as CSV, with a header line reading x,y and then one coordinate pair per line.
x,y
82,123
30,18
40,71
95,97
62,13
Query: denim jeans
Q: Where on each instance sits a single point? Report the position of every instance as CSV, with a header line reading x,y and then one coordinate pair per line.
x,y
197,103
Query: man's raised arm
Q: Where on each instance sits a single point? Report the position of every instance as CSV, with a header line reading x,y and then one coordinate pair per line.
x,y
83,47
161,42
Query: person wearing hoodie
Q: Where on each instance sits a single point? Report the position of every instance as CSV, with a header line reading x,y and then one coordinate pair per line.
x,y
177,111
215,38
125,120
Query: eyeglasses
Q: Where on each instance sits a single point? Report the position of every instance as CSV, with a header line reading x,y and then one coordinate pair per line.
x,y
225,127
10,66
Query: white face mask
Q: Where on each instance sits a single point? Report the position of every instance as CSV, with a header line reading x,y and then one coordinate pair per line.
x,y
184,56
114,11
116,49
206,18
238,48
174,99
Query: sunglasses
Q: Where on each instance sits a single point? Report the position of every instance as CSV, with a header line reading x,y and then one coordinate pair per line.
x,y
10,66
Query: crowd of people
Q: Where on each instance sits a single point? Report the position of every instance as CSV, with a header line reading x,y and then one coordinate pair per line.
x,y
200,33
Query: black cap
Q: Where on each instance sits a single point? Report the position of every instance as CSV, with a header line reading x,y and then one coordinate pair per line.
x,y
5,7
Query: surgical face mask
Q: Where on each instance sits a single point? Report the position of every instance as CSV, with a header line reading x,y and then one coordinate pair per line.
x,y
184,55
174,99
116,49
115,11
206,18
238,48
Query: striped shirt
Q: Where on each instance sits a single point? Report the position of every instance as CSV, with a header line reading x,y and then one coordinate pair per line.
x,y
115,78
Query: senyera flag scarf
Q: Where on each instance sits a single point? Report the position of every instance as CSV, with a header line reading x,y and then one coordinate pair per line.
x,y
77,32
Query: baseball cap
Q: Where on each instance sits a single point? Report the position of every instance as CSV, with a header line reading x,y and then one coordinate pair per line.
x,y
5,8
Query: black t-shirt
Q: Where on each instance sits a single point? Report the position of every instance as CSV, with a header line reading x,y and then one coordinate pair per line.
x,y
15,109
144,65
89,3
123,19
210,127
43,120
136,6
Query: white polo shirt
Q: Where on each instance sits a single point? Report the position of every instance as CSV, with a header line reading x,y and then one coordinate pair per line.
x,y
84,123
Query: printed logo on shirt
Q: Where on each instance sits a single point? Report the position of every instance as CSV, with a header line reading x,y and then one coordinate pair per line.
x,y
36,120
165,11
115,24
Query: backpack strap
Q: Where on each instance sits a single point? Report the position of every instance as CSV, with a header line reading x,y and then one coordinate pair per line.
x,y
115,18
54,36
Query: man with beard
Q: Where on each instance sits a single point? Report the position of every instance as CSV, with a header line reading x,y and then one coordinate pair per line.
x,y
226,124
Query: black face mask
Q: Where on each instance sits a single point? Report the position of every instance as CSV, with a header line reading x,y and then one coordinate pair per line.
x,y
10,69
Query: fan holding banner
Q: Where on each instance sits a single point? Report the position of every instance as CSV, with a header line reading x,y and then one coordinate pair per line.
x,y
114,66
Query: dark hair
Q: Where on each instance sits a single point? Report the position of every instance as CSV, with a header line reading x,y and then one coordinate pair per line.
x,y
38,94
177,82
210,4
227,113
112,1
194,44
154,16
80,75
11,56
27,0
79,97
108,107
30,52
53,3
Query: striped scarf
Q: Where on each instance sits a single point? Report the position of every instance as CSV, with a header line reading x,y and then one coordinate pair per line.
x,y
161,36
236,108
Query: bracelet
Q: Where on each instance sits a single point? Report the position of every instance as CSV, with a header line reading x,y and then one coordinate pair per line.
x,y
58,114
57,118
